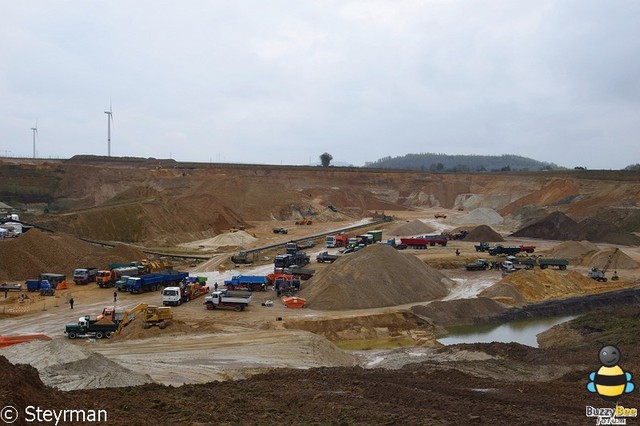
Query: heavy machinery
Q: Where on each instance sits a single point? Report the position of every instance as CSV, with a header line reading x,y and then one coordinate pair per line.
x,y
150,315
478,265
326,257
238,300
108,278
241,258
85,275
482,247
247,282
599,274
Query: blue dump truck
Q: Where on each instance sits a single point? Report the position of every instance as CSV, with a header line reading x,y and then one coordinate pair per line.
x,y
247,282
153,282
43,286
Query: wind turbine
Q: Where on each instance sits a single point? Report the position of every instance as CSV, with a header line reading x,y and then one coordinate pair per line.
x,y
35,132
109,121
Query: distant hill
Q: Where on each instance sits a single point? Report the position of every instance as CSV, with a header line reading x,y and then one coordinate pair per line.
x,y
461,163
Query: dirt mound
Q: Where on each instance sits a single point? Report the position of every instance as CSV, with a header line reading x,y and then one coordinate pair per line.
x,y
135,330
229,239
36,252
481,216
615,258
458,312
411,228
373,277
483,233
572,250
95,371
21,386
559,226
527,286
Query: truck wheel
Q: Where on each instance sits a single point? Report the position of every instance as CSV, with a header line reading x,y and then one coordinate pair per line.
x,y
72,335
563,267
210,306
242,308
543,266
99,334
162,325
237,308
146,325
108,334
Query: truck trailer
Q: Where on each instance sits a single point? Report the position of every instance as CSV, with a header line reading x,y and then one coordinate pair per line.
x,y
237,300
85,275
247,282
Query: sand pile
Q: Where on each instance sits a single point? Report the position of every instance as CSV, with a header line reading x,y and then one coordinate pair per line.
x,y
531,286
558,226
459,312
21,386
36,252
616,259
481,216
414,227
67,366
135,330
483,233
373,277
95,371
572,250
230,239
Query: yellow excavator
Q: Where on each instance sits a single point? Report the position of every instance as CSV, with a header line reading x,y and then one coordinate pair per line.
x,y
150,314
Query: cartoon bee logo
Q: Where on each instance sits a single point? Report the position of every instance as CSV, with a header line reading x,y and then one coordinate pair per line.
x,y
610,381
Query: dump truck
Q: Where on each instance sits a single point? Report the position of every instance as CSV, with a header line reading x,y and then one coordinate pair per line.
x,y
238,300
541,262
152,282
376,235
280,230
439,239
183,293
478,265
247,282
108,277
44,287
527,249
302,273
85,275
499,249
91,327
287,287
282,261
326,257
57,281
482,247
339,240
419,243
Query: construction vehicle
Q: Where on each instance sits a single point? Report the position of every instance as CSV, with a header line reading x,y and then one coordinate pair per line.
x,y
271,278
545,263
91,327
597,274
376,236
333,241
418,243
238,300
482,247
440,216
57,281
302,273
304,221
241,258
111,322
85,275
280,230
499,249
478,265
287,287
247,282
148,266
108,278
326,257
527,249
43,286
282,261
152,282
186,291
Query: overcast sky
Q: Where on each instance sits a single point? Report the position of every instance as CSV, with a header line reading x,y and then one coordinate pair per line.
x,y
284,81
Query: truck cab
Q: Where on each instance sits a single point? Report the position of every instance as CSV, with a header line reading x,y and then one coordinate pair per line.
x,y
172,296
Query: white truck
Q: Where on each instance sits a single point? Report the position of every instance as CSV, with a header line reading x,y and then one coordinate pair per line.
x,y
238,300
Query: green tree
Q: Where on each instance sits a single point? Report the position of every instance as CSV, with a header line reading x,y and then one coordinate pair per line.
x,y
325,159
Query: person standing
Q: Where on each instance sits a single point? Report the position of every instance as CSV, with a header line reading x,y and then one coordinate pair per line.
x,y
115,296
215,287
71,302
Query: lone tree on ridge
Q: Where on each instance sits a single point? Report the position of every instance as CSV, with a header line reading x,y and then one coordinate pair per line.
x,y
325,159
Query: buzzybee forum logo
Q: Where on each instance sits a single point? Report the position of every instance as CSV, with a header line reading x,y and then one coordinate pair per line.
x,y
610,382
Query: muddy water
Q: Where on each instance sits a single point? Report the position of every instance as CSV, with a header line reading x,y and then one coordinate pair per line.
x,y
523,331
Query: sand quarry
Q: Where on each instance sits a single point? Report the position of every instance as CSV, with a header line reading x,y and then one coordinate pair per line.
x,y
367,295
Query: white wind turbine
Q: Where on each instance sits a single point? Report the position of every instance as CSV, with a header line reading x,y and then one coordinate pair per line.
x,y
34,130
109,121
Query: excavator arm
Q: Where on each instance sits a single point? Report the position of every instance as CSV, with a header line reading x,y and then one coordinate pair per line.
x,y
130,315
